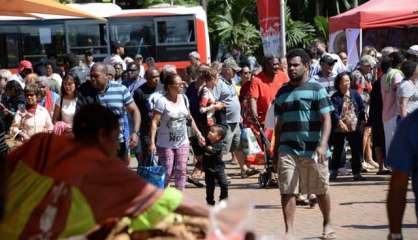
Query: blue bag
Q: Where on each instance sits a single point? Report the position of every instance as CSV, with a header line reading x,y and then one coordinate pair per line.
x,y
152,172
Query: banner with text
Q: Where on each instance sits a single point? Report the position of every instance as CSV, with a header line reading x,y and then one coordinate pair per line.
x,y
269,18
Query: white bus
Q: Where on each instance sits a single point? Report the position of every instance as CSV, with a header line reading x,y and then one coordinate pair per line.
x,y
166,34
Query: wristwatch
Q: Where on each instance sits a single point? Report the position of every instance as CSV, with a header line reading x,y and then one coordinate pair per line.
x,y
395,236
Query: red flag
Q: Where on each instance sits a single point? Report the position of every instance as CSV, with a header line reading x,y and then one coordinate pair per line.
x,y
269,18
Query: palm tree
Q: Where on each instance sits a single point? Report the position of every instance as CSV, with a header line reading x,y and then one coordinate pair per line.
x,y
233,25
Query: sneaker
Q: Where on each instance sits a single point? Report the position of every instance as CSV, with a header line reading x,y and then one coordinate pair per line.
x,y
373,164
359,177
302,202
312,200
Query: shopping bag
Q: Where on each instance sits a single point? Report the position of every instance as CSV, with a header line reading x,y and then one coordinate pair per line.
x,y
152,172
249,142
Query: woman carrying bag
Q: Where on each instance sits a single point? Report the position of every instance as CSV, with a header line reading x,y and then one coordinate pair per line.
x,y
347,120
172,115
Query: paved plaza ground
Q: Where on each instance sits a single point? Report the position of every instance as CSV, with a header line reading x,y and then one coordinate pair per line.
x,y
358,208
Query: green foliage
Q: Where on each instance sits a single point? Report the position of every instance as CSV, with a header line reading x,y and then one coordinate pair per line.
x,y
321,24
298,33
233,27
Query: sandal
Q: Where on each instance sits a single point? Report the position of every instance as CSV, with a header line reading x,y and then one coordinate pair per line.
x,y
329,233
329,236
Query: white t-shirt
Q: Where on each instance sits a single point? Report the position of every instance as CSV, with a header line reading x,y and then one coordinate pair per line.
x,y
113,59
409,89
67,110
172,132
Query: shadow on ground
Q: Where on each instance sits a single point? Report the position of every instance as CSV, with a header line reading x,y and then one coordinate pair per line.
x,y
373,202
267,207
377,226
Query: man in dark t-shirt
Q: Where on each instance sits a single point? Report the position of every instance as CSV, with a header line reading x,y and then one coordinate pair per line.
x,y
141,97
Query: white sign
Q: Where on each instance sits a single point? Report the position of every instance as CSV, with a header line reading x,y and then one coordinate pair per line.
x,y
45,35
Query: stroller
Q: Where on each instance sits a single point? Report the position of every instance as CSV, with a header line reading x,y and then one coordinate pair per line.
x,y
266,178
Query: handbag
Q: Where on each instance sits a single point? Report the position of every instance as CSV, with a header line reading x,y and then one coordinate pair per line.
x,y
152,172
249,142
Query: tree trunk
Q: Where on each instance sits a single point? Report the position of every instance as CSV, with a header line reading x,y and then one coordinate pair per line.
x,y
355,3
337,7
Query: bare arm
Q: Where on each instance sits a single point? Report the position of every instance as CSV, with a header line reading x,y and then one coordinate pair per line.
x,y
396,200
57,110
253,103
321,150
136,116
403,103
156,117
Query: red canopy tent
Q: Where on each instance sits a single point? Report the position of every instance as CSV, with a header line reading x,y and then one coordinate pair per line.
x,y
377,13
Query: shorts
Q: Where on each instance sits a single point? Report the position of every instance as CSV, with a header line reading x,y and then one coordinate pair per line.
x,y
232,140
302,175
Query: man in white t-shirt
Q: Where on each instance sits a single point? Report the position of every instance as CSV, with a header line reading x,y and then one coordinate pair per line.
x,y
118,50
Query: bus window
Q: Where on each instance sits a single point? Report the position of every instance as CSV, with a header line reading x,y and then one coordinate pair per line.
x,y
137,35
41,41
176,30
9,47
175,38
87,36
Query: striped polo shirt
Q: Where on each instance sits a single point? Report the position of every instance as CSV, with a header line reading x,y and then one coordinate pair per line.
x,y
299,109
116,97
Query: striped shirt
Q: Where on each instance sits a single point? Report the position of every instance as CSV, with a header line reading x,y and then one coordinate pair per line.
x,y
299,109
116,97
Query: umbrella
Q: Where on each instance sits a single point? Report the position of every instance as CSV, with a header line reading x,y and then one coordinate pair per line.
x,y
27,8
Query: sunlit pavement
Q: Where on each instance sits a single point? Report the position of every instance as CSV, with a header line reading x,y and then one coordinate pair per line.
x,y
358,208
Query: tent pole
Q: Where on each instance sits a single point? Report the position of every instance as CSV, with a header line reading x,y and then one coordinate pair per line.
x,y
282,26
360,41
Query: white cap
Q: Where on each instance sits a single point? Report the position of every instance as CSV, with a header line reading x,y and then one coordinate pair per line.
x,y
413,50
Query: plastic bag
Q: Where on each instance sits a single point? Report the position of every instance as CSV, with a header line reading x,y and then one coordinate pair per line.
x,y
152,172
249,142
229,220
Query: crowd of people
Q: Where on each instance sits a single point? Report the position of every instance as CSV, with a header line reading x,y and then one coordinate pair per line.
x,y
319,102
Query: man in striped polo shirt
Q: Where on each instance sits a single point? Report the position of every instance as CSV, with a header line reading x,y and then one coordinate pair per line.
x,y
302,110
114,96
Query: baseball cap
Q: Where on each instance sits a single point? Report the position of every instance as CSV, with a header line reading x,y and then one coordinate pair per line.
x,y
413,50
117,44
367,60
230,63
138,56
24,64
328,59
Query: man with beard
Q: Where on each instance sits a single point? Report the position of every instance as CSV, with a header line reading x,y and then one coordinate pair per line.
x,y
302,110
264,87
